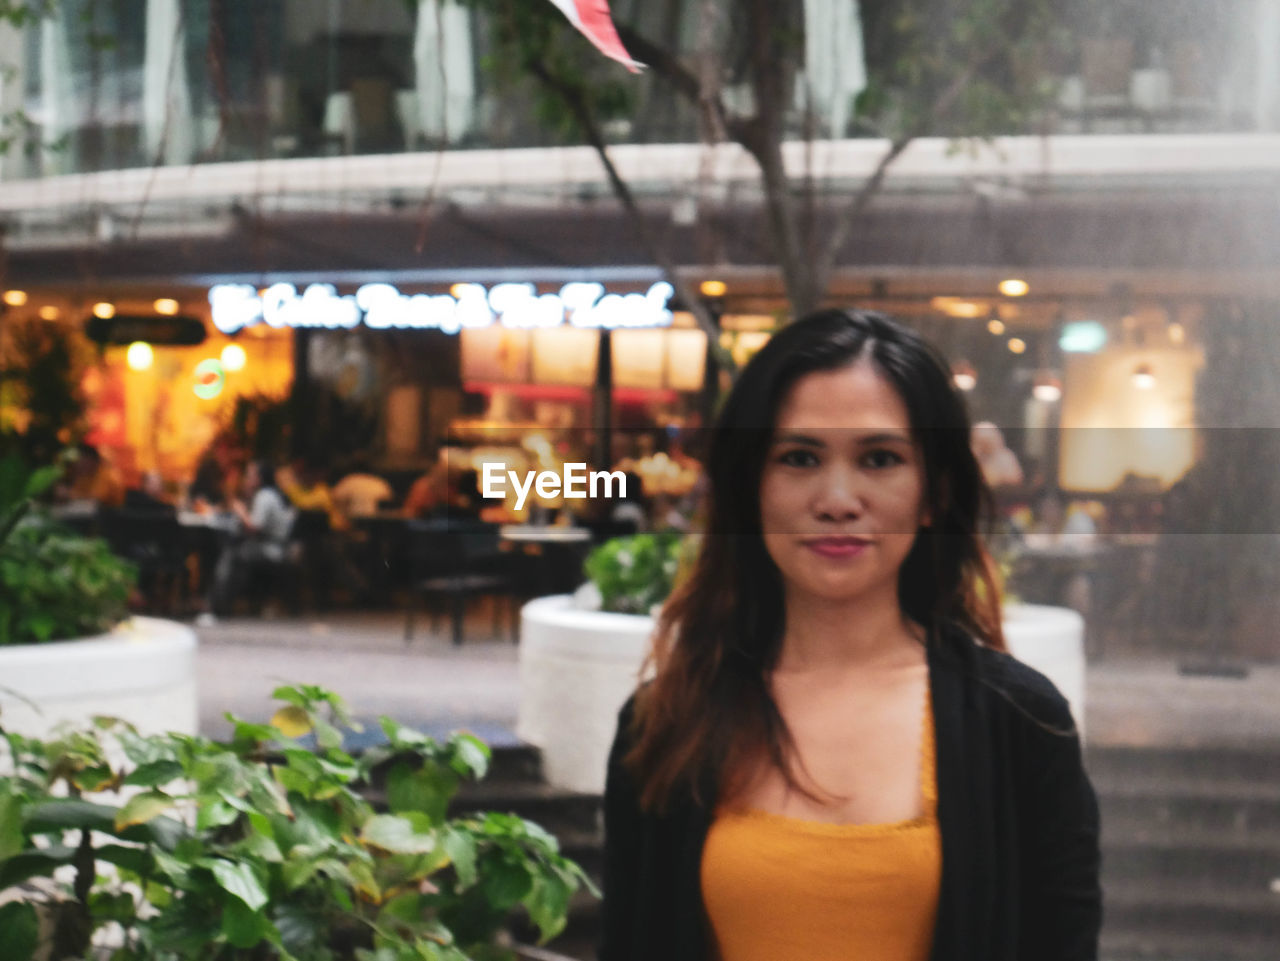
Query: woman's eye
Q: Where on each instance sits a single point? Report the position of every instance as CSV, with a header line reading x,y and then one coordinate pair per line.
x,y
798,458
884,458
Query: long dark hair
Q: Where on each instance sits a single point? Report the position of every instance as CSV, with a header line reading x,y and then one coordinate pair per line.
x,y
707,716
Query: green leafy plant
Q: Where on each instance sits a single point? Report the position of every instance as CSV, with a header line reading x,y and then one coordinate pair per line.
x,y
54,584
264,847
634,573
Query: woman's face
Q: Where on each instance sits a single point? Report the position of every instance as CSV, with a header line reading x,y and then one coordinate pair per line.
x,y
842,492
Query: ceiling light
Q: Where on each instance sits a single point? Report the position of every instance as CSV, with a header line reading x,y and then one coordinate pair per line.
x,y
1013,287
1047,387
1017,345
15,298
713,288
233,357
49,312
995,325
104,310
1144,377
139,356
166,305
964,376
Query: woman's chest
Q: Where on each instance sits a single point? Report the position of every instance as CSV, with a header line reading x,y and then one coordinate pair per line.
x,y
867,745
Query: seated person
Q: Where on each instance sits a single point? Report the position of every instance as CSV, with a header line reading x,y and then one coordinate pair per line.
x,y
266,523
429,492
302,482
360,492
150,496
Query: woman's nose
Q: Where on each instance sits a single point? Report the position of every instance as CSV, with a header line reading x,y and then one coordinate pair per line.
x,y
839,496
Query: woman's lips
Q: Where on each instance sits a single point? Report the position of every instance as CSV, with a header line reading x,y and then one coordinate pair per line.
x,y
839,547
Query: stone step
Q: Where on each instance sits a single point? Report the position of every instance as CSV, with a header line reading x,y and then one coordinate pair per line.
x,y
1246,861
1256,764
1160,908
1162,946
1229,812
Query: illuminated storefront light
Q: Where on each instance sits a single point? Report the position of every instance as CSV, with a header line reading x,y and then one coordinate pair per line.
x,y
210,378
233,358
104,310
236,307
139,356
15,298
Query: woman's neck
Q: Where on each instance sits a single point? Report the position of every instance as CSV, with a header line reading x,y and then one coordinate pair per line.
x,y
823,636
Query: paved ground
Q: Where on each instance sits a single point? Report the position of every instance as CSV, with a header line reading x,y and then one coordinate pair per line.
x,y
431,683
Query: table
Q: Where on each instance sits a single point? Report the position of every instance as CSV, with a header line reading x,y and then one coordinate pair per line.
x,y
552,554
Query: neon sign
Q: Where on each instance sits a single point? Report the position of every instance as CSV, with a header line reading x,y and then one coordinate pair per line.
x,y
382,306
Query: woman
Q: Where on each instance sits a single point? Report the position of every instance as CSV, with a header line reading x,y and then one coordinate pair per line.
x,y
835,758
265,525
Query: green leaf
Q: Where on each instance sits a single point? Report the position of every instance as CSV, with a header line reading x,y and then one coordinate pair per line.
x,y
473,754
154,774
19,931
141,808
138,860
396,834
34,863
243,927
238,880
12,840
461,848
548,906
64,814
214,812
504,883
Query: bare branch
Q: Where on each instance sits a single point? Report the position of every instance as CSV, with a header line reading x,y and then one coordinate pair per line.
x,y
581,110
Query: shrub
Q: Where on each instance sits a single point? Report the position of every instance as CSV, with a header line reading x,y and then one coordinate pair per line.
x,y
634,573
54,584
263,848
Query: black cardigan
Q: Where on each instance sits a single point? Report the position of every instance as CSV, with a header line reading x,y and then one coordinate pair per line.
x,y
1017,815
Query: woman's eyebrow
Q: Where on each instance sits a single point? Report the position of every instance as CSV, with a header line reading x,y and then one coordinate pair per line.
x,y
805,439
885,438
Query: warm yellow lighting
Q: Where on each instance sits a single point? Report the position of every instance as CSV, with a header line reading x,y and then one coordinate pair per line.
x,y
140,356
233,357
964,376
457,290
1143,377
166,305
49,312
1047,388
15,298
996,326
958,307
104,310
1013,287
1017,345
713,288
1177,334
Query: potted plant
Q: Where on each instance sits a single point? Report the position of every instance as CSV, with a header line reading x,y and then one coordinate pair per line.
x,y
68,648
581,655
171,847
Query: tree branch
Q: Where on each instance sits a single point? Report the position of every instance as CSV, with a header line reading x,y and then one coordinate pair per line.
x,y
940,107
581,110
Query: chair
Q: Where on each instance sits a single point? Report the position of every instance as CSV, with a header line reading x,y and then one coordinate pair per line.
x,y
154,541
458,560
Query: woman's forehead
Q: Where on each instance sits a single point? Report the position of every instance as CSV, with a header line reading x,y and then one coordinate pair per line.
x,y
854,398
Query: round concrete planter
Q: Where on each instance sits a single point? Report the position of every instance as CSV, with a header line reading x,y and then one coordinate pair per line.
x,y
577,667
1050,639
144,671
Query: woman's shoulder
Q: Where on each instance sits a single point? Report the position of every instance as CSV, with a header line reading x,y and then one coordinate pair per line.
x,y
1013,686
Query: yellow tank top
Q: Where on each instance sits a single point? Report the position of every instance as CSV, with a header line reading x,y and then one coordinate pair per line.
x,y
778,888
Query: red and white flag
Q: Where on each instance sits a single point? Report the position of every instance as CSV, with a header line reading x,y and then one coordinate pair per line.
x,y
593,19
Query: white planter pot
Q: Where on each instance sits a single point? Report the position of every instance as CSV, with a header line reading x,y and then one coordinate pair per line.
x,y
578,667
144,671
1050,639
